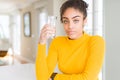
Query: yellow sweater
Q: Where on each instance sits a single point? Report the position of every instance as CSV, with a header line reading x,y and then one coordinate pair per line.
x,y
79,59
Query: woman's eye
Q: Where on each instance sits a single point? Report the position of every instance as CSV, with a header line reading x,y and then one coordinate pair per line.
x,y
65,21
75,21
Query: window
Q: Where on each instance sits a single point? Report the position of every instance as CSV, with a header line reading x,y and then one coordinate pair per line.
x,y
16,34
42,18
89,25
4,27
94,25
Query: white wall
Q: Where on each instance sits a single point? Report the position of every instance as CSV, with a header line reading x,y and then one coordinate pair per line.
x,y
29,44
112,36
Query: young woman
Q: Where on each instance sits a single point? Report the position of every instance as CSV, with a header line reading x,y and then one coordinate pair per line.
x,y
79,55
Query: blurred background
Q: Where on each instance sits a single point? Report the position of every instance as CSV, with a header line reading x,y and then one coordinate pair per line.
x,y
21,21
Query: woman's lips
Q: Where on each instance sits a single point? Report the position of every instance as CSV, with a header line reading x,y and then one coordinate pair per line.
x,y
71,32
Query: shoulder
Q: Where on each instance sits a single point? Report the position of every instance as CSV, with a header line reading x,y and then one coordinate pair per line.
x,y
60,37
59,40
97,40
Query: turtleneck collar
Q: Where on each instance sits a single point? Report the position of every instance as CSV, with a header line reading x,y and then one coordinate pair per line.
x,y
79,40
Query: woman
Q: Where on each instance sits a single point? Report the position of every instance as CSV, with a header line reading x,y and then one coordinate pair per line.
x,y
79,55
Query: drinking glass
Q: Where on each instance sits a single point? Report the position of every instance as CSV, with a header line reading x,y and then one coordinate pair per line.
x,y
52,24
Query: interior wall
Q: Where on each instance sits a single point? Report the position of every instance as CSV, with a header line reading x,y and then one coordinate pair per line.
x,y
29,44
112,36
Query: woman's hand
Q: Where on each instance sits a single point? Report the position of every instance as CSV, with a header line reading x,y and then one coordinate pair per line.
x,y
49,79
45,34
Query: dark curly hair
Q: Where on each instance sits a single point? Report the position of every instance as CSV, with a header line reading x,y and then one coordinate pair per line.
x,y
76,4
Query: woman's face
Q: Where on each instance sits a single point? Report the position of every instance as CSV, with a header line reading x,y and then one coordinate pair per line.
x,y
73,22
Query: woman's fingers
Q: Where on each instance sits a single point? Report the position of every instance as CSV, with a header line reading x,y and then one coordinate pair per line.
x,y
46,33
48,28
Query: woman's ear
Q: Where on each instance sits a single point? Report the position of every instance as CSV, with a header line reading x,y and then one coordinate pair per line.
x,y
85,21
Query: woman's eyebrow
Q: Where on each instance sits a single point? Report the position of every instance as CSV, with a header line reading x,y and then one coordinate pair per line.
x,y
75,17
72,17
64,18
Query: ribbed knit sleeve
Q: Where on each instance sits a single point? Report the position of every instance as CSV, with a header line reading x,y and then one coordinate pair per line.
x,y
45,64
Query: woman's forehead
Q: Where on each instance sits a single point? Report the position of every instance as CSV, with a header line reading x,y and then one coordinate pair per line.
x,y
72,13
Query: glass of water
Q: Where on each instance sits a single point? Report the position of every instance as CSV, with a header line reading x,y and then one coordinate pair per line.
x,y
52,23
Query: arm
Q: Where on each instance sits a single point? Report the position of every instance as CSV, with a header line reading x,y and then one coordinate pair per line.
x,y
45,64
93,65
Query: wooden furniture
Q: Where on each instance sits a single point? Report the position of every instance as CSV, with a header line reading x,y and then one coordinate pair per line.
x,y
3,53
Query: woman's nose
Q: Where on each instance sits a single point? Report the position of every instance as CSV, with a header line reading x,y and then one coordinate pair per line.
x,y
70,25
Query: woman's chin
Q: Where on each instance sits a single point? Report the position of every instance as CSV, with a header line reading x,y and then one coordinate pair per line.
x,y
72,37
